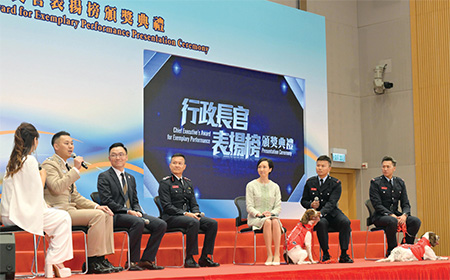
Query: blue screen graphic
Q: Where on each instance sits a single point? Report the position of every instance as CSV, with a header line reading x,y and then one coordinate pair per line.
x,y
223,119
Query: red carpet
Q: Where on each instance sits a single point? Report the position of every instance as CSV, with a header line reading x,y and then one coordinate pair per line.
x,y
359,270
170,254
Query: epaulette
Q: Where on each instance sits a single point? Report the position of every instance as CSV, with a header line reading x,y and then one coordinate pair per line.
x,y
311,178
186,178
399,179
335,179
165,178
377,178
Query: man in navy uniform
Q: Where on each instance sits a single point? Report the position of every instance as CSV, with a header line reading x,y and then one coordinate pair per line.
x,y
322,192
180,210
386,192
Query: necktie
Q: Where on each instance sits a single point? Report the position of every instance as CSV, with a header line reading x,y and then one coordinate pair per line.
x,y
125,190
391,181
68,169
321,182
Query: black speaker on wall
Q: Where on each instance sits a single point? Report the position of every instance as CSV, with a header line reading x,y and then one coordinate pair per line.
x,y
7,256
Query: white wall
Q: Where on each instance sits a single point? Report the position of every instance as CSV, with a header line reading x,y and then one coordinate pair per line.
x,y
360,34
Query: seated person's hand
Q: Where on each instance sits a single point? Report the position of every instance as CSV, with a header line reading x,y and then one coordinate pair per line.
x,y
105,209
134,213
267,213
315,204
192,215
401,219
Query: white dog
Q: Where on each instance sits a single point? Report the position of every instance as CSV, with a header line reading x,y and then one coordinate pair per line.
x,y
413,252
300,238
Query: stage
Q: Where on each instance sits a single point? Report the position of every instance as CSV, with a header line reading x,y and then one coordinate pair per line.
x,y
361,269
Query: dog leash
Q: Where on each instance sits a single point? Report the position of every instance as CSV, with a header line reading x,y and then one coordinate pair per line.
x,y
402,228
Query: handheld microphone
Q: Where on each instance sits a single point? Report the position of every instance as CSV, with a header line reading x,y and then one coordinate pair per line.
x,y
146,221
73,155
316,198
200,215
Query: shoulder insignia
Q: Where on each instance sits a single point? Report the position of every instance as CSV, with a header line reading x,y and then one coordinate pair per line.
x,y
334,179
165,178
186,178
377,178
311,178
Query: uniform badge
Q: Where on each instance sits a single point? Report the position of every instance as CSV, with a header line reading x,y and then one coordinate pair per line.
x,y
314,189
175,187
384,188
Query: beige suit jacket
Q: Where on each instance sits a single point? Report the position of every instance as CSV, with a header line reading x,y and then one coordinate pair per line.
x,y
58,184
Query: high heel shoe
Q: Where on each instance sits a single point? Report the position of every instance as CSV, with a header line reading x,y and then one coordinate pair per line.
x,y
276,261
48,271
59,272
269,261
62,272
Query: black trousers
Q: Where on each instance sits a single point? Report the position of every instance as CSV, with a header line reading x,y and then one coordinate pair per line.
x,y
390,229
339,223
135,225
192,226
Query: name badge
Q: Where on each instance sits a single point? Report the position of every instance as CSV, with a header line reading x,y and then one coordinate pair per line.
x,y
175,187
314,189
384,188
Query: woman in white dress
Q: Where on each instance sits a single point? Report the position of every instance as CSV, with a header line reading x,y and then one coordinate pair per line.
x,y
23,202
263,199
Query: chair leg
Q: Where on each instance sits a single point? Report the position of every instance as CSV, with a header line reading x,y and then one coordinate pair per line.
x,y
34,263
285,251
86,255
235,244
351,244
183,252
235,249
365,249
128,250
254,248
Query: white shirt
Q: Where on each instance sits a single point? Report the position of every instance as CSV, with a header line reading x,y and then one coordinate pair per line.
x,y
23,198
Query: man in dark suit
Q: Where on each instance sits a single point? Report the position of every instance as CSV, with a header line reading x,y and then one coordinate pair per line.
x,y
386,192
180,210
322,192
117,189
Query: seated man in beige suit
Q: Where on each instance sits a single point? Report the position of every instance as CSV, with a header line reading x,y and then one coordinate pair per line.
x,y
61,192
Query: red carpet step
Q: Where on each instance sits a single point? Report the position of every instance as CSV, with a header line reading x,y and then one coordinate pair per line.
x,y
170,250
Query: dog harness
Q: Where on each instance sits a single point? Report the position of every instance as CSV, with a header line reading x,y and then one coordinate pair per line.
x,y
297,236
418,249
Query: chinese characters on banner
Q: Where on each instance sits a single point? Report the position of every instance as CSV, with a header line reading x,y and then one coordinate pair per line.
x,y
227,124
93,10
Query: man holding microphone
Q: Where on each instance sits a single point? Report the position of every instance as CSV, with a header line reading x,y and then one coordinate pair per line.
x,y
61,192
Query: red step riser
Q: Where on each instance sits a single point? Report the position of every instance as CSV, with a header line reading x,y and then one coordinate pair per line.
x,y
170,250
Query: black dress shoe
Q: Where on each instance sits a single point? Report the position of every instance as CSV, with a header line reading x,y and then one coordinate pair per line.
x,y
149,265
113,268
95,268
134,267
345,259
326,258
207,262
190,263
